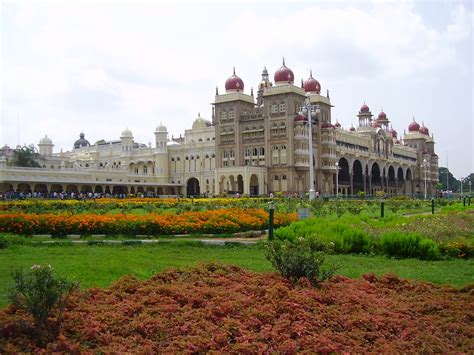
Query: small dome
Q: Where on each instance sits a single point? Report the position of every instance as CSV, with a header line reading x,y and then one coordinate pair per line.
x,y
161,128
284,74
424,130
126,133
45,140
337,125
352,129
327,125
311,84
382,115
81,142
364,109
234,83
199,122
393,133
414,127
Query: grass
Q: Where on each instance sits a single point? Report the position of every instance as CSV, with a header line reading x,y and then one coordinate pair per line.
x,y
100,265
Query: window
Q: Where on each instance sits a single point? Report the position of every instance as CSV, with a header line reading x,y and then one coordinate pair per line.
x,y
231,114
223,115
282,108
274,109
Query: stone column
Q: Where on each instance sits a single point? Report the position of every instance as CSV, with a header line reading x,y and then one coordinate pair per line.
x,y
351,180
364,178
396,185
370,184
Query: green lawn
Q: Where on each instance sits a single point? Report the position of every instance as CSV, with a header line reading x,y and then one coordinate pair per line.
x,y
101,265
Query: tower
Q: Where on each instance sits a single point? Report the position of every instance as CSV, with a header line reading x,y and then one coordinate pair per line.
x,y
126,139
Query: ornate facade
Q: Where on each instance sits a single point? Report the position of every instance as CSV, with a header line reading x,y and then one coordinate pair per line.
x,y
253,146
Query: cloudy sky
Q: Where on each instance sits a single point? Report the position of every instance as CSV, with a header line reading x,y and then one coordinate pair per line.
x,y
101,66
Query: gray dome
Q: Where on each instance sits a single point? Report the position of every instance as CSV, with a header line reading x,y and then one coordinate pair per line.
x,y
81,142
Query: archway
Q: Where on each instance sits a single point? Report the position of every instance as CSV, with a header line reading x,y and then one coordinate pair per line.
x,y
343,175
119,190
358,177
254,185
98,189
376,178
160,191
240,184
192,187
391,180
23,187
71,189
86,189
408,182
41,188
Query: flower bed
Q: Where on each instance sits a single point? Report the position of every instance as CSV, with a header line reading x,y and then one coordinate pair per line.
x,y
191,311
211,221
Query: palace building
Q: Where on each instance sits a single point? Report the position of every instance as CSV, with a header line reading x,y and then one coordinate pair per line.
x,y
253,145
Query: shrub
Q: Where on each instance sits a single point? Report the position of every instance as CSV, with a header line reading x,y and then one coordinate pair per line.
x,y
3,242
356,241
40,293
301,258
411,245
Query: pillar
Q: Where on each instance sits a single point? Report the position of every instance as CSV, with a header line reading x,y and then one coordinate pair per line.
x,y
351,180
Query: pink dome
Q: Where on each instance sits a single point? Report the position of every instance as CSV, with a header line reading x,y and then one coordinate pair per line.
x,y
311,84
337,125
424,129
284,74
364,109
393,133
382,115
414,127
352,129
234,83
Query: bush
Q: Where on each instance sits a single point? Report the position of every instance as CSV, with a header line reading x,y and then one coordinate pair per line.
x,y
40,293
356,241
3,242
301,258
408,245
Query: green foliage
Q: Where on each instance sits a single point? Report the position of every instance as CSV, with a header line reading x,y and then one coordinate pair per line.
x,y
408,245
3,242
25,157
40,293
301,258
356,241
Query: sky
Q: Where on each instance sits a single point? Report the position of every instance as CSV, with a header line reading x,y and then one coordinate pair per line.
x,y
99,67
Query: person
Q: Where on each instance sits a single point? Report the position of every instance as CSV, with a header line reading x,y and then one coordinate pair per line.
x,y
271,195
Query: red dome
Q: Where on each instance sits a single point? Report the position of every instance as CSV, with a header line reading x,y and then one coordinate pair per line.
x,y
424,129
327,125
284,74
413,127
352,129
311,84
393,133
364,109
234,83
382,115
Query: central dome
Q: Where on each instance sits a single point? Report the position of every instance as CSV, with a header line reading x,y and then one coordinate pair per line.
x,y
414,126
284,74
234,83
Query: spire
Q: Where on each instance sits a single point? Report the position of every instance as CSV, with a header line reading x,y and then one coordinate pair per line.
x,y
251,91
199,114
283,60
311,73
217,91
302,85
234,70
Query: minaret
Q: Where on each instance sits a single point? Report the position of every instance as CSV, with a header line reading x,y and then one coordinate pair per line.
x,y
126,139
365,116
265,83
161,139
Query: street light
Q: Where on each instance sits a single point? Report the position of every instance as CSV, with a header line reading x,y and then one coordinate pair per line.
x,y
337,179
309,110
425,165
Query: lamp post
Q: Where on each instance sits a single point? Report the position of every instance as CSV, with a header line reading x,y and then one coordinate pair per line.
x,y
309,110
461,188
425,165
337,179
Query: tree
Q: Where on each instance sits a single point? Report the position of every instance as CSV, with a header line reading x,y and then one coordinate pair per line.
x,y
25,157
454,184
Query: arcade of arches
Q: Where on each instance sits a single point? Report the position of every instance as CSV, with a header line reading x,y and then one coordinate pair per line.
x,y
370,177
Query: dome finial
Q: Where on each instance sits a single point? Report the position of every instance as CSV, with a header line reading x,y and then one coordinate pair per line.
x,y
199,114
234,70
283,60
217,91
311,73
